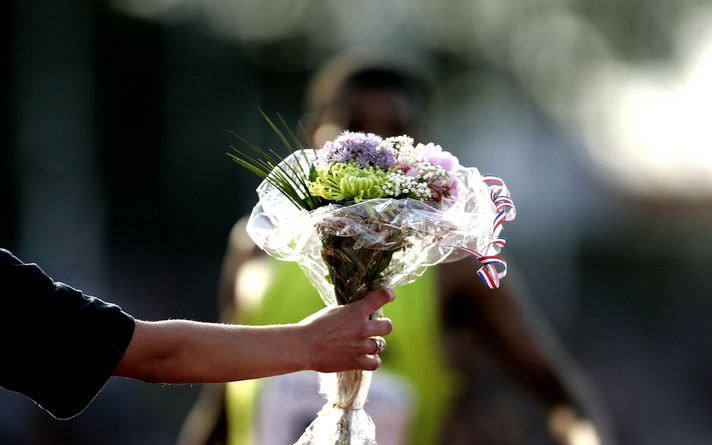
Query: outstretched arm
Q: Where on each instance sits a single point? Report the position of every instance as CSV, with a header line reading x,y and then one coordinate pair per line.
x,y
180,351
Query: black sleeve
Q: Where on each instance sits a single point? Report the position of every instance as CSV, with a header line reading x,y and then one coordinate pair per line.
x,y
59,346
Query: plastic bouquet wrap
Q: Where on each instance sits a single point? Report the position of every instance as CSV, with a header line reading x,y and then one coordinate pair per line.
x,y
363,212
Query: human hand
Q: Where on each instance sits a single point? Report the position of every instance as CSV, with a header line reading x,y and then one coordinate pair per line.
x,y
339,338
570,429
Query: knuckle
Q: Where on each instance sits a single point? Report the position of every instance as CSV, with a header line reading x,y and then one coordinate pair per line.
x,y
364,331
365,347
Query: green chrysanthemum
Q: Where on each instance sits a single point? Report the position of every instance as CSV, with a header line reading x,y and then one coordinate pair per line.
x,y
348,181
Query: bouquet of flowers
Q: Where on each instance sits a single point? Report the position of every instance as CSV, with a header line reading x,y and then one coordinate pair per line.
x,y
364,212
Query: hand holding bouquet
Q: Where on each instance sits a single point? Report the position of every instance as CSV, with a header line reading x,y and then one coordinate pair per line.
x,y
364,212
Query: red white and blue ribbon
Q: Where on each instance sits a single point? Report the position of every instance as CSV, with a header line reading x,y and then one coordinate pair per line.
x,y
494,267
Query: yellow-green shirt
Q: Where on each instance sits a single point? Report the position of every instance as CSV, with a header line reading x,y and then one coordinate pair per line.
x,y
278,292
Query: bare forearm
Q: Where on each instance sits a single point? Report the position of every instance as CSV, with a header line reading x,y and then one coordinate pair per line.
x,y
181,351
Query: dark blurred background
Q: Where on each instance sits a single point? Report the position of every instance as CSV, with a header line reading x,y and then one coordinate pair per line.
x,y
113,175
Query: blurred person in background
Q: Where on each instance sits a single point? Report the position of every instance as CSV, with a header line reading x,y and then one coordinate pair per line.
x,y
454,339
60,346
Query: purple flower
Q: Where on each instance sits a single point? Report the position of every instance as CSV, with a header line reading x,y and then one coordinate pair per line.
x,y
365,149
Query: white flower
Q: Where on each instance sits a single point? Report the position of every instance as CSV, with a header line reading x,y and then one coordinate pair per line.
x,y
399,185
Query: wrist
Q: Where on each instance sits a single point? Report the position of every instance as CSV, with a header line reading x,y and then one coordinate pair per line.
x,y
300,347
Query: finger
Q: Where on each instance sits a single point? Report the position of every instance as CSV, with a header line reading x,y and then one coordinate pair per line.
x,y
380,344
368,362
368,346
382,326
374,300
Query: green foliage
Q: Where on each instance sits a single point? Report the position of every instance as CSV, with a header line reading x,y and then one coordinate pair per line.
x,y
292,180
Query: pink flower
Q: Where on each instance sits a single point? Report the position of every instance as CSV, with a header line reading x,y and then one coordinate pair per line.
x,y
452,188
445,159
410,170
443,191
435,155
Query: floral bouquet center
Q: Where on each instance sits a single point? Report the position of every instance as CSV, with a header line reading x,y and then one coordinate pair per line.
x,y
364,212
